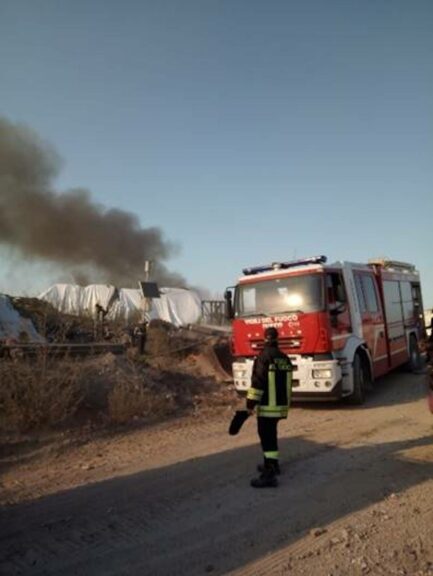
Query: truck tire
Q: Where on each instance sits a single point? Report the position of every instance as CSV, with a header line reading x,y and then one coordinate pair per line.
x,y
361,380
414,364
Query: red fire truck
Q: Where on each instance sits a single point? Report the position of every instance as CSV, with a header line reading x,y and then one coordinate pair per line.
x,y
343,324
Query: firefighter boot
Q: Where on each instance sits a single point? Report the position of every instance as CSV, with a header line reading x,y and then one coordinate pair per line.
x,y
271,463
267,479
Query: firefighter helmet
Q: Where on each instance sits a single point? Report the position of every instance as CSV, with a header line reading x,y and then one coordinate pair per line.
x,y
271,334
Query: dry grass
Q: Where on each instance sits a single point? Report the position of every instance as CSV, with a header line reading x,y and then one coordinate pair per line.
x,y
38,393
131,399
99,391
41,393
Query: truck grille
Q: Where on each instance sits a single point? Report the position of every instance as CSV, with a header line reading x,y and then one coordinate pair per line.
x,y
284,343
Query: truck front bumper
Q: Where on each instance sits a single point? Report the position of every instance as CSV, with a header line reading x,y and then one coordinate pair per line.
x,y
312,379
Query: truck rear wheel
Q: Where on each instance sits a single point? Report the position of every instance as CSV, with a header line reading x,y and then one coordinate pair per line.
x,y
361,380
414,364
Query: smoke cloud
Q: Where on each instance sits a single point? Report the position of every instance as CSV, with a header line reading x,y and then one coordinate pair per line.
x,y
69,229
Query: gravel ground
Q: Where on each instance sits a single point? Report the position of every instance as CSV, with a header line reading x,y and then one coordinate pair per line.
x,y
355,496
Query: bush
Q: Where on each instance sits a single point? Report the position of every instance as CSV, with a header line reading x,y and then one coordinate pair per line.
x,y
38,393
134,398
103,390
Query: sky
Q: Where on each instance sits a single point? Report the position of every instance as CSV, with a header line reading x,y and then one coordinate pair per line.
x,y
248,131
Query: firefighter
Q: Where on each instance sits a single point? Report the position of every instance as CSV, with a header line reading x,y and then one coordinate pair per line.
x,y
101,313
429,375
140,337
269,396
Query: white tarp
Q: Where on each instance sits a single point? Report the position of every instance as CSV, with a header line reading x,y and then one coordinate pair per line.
x,y
64,297
78,300
13,326
176,305
127,306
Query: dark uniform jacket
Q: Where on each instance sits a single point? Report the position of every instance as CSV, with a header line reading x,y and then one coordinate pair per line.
x,y
271,383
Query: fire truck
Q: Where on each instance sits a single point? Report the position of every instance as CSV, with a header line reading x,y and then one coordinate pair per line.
x,y
343,325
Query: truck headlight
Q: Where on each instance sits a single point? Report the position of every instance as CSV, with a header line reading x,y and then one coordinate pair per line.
x,y
322,373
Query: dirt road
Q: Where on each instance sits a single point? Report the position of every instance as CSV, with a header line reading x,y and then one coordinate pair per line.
x,y
355,497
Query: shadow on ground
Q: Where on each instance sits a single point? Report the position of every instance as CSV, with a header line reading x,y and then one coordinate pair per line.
x,y
398,387
201,516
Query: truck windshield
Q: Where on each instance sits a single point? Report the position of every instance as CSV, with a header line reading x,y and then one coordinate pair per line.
x,y
280,295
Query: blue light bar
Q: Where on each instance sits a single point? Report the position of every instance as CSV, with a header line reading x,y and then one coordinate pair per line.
x,y
284,265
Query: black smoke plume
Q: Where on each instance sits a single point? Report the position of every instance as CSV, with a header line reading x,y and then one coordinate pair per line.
x,y
69,229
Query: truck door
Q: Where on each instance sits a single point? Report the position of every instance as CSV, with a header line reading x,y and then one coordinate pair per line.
x,y
338,309
373,327
395,321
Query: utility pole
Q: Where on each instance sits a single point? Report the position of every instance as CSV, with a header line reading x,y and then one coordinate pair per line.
x,y
149,290
147,302
145,305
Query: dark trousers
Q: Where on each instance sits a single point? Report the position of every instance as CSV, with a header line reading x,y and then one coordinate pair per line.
x,y
267,429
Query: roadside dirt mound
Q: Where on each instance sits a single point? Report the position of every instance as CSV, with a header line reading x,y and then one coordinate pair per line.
x,y
206,362
52,324
180,370
112,389
58,327
197,353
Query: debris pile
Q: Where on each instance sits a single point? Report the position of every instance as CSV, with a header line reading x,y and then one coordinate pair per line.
x,y
53,325
15,327
181,370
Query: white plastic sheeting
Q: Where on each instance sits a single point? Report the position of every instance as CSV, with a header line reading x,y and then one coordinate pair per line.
x,y
127,306
78,300
14,326
181,306
176,305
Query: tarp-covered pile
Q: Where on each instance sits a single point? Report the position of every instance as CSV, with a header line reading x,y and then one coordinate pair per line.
x,y
15,327
176,305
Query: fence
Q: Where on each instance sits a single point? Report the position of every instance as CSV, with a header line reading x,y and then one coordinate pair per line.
x,y
213,312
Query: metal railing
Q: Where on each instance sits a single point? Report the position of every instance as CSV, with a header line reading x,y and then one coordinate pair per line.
x,y
213,312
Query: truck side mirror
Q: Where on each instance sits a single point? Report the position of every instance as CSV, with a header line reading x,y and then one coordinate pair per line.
x,y
337,309
228,297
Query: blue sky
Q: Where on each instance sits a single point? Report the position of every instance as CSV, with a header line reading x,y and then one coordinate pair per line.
x,y
248,131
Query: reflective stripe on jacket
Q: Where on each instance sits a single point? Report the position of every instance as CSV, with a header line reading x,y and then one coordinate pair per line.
x,y
271,386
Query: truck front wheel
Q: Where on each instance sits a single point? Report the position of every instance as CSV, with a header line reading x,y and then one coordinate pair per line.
x,y
361,380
